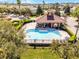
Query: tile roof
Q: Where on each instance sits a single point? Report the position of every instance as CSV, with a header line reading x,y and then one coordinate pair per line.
x,y
43,19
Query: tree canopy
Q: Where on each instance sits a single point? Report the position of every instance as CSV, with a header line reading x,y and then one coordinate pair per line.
x,y
75,13
39,10
67,10
18,1
10,40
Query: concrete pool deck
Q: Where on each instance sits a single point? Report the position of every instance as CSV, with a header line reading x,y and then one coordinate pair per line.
x,y
70,22
28,26
32,25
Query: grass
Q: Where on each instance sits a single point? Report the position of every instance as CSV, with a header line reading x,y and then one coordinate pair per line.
x,y
38,54
45,53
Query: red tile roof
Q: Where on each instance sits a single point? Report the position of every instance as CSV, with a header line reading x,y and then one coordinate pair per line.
x,y
43,19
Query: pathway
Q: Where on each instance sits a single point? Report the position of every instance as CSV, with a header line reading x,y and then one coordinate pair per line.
x,y
72,23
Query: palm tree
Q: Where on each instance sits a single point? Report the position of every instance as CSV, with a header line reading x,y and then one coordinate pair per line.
x,y
43,4
19,3
77,29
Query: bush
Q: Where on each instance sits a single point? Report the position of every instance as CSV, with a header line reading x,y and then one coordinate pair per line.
x,y
72,38
25,11
18,24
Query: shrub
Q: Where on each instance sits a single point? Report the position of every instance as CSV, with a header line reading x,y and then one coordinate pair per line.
x,y
19,23
69,30
72,38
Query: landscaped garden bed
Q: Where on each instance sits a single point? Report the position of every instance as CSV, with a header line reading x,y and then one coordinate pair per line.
x,y
19,23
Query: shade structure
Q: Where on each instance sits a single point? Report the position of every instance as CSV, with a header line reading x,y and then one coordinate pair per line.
x,y
43,19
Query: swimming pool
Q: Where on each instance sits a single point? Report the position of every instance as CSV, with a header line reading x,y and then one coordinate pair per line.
x,y
43,34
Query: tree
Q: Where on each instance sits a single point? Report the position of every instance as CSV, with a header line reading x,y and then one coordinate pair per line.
x,y
10,40
55,45
39,10
67,10
57,13
43,4
75,12
18,2
25,11
6,4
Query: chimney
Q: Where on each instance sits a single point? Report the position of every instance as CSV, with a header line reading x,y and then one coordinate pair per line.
x,y
50,16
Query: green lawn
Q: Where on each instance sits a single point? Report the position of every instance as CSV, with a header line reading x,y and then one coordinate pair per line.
x,y
38,54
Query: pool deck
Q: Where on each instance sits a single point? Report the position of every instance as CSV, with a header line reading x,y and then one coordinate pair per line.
x,y
28,26
33,26
64,36
38,41
29,41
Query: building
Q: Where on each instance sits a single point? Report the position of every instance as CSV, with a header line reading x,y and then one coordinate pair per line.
x,y
49,21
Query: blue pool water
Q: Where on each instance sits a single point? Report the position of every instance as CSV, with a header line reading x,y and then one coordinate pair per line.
x,y
40,34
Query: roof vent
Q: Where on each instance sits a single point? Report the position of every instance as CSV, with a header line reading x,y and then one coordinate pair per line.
x,y
50,16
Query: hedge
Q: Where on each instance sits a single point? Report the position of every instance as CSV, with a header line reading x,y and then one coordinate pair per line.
x,y
68,29
21,23
72,35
